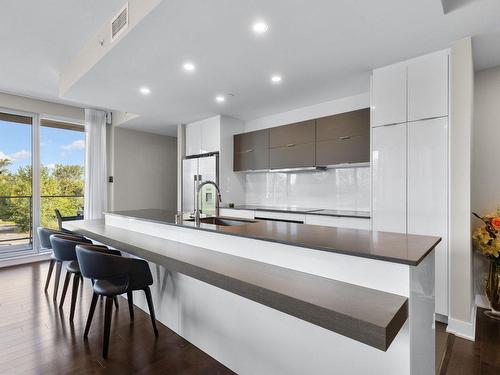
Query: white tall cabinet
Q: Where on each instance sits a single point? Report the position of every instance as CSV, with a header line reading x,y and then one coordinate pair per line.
x,y
410,155
428,193
389,178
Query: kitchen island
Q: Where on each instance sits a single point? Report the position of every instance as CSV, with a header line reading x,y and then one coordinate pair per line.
x,y
271,297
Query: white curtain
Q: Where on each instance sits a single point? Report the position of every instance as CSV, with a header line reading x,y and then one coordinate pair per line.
x,y
95,164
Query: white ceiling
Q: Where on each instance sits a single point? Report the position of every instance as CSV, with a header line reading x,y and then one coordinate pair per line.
x,y
324,49
39,37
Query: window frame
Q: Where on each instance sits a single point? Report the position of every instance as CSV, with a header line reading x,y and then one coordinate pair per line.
x,y
37,120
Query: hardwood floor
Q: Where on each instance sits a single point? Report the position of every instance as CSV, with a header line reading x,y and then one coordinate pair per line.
x,y
481,357
37,338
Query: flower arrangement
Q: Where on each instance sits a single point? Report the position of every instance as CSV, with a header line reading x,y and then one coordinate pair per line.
x,y
487,237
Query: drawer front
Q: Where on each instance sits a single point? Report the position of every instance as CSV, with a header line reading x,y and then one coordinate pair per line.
x,y
355,149
251,141
251,160
295,156
242,214
349,124
339,222
280,216
293,134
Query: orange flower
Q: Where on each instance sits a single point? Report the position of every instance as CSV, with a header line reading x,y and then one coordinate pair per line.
x,y
496,222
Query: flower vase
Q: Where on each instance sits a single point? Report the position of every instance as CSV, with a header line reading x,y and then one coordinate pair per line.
x,y
493,290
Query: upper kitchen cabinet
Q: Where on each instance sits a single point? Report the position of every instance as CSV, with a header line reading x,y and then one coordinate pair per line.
x,y
251,151
203,136
343,138
389,95
293,146
193,138
428,86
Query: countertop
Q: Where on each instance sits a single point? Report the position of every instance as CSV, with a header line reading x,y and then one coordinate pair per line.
x,y
390,247
304,210
370,316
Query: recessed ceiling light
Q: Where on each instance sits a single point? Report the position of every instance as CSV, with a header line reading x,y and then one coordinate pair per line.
x,y
260,27
189,67
145,90
220,99
276,78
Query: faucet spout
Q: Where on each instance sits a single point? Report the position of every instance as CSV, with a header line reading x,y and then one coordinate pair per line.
x,y
217,202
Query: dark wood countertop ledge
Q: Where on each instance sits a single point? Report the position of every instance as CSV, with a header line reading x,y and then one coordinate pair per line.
x,y
362,314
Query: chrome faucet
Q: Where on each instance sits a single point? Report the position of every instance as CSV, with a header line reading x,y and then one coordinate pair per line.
x,y
217,201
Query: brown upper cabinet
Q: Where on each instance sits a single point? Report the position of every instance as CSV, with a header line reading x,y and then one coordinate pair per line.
x,y
293,145
292,134
343,138
338,139
251,151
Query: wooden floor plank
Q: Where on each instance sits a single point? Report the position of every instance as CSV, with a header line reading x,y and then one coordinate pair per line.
x,y
36,336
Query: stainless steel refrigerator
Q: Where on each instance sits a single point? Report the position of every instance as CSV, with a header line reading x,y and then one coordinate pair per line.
x,y
196,169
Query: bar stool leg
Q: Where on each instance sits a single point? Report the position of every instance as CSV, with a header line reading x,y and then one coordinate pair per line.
x,y
65,289
130,305
58,276
95,297
151,309
115,300
107,326
76,281
51,267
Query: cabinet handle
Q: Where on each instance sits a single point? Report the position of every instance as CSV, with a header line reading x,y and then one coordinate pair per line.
x,y
344,138
247,151
290,145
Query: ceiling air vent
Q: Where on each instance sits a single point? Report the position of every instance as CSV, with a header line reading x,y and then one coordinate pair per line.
x,y
119,23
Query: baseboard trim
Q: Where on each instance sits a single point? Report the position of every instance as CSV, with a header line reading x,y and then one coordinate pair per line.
x,y
482,301
34,258
463,329
441,318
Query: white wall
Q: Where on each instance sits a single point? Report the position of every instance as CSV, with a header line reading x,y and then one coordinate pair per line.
x,y
332,107
346,188
24,104
485,137
144,167
462,312
232,184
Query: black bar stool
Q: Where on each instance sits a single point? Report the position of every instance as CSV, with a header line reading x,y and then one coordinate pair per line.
x,y
44,236
63,247
114,275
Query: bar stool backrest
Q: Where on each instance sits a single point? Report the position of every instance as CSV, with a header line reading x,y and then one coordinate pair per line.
x,y
63,246
104,266
44,236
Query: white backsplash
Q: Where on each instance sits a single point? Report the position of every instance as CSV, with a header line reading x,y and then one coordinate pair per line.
x,y
336,189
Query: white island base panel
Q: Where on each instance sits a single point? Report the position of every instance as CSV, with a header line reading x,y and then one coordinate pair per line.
x,y
250,338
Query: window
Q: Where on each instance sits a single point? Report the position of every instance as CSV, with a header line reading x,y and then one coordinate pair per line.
x,y
16,199
41,170
62,155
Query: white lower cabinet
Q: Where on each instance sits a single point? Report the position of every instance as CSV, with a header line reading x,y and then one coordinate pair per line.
x,y
285,216
328,221
338,221
232,212
428,194
389,178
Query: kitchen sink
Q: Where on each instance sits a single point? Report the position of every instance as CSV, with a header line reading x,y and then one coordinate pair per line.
x,y
224,221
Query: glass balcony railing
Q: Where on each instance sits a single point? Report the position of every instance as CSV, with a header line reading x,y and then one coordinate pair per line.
x,y
15,224
16,218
